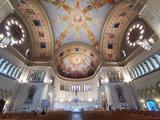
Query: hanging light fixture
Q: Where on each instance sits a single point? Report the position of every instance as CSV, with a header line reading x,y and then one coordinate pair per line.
x,y
135,33
146,43
14,34
136,36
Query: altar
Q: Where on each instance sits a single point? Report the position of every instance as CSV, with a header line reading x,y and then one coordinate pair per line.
x,y
76,106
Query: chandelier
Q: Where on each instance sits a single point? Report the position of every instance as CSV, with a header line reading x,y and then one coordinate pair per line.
x,y
14,33
136,36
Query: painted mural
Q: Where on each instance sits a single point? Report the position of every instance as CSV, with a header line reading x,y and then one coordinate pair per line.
x,y
76,61
76,66
77,20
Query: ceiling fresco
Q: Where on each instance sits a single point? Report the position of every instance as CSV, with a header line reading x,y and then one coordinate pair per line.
x,y
38,27
77,20
76,61
13,26
116,22
77,37
76,65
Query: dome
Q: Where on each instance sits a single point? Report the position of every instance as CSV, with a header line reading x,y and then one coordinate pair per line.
x,y
76,61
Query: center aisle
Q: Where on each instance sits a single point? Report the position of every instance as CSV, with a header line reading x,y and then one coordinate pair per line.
x,y
76,116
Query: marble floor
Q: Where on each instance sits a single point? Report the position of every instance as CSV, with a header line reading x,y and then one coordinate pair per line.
x,y
76,116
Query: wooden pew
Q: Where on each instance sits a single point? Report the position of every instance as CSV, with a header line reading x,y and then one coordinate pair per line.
x,y
56,115
121,115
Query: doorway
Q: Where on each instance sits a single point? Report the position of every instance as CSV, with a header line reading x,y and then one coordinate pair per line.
x,y
152,105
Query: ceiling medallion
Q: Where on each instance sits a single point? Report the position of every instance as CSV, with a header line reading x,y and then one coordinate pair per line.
x,y
135,34
14,30
77,18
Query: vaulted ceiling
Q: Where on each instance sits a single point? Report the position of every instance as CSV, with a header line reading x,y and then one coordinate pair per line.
x,y
65,29
77,20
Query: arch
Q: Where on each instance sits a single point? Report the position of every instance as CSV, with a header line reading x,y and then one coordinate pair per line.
x,y
87,61
111,34
33,12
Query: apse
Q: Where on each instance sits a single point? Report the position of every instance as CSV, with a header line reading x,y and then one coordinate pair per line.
x,y
76,61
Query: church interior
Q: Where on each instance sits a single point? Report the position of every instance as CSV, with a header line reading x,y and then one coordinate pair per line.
x,y
80,59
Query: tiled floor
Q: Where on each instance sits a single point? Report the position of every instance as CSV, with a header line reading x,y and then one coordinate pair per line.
x,y
76,116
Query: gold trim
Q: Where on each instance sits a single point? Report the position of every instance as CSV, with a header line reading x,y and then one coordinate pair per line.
x,y
77,44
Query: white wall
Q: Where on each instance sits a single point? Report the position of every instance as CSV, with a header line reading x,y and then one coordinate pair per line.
x,y
20,88
112,97
22,94
7,83
5,9
151,13
83,96
10,57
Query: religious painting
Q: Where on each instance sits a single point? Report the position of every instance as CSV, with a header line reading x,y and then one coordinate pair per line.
x,y
77,61
77,20
31,93
120,94
76,66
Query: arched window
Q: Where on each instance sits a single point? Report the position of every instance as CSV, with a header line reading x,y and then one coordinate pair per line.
x,y
1,62
157,58
84,87
135,72
72,88
148,63
79,88
11,70
14,73
154,62
138,71
3,66
5,71
145,67
141,69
